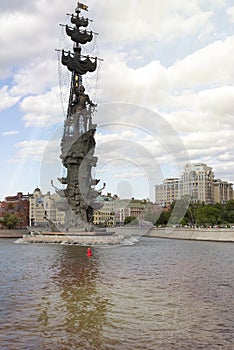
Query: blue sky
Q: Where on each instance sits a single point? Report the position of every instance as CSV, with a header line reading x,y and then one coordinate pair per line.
x,y
165,91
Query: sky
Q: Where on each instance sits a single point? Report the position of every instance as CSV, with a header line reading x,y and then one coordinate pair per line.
x,y
164,91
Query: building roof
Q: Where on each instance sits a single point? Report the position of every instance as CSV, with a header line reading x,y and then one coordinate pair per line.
x,y
37,189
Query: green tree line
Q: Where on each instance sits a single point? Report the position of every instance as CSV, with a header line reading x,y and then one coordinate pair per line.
x,y
196,214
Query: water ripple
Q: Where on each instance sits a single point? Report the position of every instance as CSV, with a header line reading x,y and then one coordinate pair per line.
x,y
155,295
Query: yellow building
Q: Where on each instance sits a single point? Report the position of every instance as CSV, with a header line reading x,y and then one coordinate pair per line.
x,y
105,217
223,191
168,192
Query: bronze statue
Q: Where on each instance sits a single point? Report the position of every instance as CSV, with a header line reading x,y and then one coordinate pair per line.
x,y
82,100
78,143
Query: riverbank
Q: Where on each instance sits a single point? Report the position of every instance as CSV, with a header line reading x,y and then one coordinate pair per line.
x,y
198,234
12,233
124,233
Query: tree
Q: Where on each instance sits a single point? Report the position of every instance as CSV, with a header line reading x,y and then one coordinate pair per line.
x,y
228,213
198,213
208,215
184,221
132,220
10,206
228,216
10,220
164,218
230,205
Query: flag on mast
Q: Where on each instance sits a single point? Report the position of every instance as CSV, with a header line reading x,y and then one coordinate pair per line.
x,y
82,6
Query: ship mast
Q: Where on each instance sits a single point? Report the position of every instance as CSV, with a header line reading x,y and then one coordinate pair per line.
x,y
79,65
78,143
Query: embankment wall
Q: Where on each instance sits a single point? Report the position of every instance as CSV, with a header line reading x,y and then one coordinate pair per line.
x,y
202,234
12,233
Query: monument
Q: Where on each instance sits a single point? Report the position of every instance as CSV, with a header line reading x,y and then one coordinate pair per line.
x,y
78,199
78,142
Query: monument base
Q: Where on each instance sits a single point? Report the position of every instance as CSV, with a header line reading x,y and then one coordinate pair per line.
x,y
85,238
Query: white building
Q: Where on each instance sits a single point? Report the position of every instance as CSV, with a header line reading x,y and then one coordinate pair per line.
x,y
168,192
197,182
43,207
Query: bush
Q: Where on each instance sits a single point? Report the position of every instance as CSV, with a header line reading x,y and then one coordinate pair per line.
x,y
10,220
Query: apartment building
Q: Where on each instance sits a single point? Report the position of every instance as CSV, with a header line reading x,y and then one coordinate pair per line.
x,y
198,183
45,207
168,192
223,191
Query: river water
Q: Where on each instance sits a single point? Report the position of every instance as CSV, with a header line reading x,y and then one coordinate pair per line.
x,y
155,295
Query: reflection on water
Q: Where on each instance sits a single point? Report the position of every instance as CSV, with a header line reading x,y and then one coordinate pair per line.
x,y
82,306
157,294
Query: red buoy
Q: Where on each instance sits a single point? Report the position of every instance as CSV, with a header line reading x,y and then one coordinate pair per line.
x,y
89,252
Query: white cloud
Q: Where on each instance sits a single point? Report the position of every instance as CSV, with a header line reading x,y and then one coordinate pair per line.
x,y
128,175
30,150
144,86
217,101
26,5
154,85
10,133
149,150
218,140
6,99
212,64
213,148
42,110
164,21
34,79
230,12
37,150
207,110
18,37
31,34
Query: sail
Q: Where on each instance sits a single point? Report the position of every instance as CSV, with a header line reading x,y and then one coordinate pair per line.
x,y
78,36
79,22
75,64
